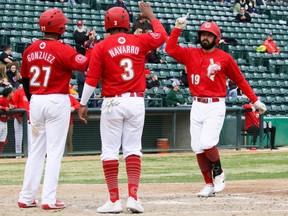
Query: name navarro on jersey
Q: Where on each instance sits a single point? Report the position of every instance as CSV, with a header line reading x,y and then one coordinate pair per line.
x,y
123,49
41,55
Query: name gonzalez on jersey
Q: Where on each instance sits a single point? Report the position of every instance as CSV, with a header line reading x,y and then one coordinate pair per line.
x,y
41,55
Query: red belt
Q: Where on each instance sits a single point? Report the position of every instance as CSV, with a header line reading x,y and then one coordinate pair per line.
x,y
132,94
206,100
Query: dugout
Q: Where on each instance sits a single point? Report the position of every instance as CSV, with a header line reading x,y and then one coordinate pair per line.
x,y
160,122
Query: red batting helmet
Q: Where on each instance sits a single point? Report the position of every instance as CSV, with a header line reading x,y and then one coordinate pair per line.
x,y
117,17
53,20
211,27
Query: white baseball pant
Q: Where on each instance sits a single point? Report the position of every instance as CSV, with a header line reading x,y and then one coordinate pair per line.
x,y
121,123
206,124
3,131
49,117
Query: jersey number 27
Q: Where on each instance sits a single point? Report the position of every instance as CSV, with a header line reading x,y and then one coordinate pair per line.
x,y
36,72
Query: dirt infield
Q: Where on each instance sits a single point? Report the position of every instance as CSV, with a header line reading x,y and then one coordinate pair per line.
x,y
267,197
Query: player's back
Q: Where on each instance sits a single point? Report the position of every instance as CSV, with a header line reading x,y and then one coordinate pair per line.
x,y
49,64
121,58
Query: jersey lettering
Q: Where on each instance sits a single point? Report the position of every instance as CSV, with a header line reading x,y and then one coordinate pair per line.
x,y
127,65
36,72
195,79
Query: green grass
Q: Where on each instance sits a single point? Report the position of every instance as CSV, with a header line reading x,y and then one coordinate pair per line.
x,y
169,168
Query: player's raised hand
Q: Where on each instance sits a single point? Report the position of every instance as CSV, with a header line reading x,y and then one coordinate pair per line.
x,y
146,10
82,114
261,106
181,22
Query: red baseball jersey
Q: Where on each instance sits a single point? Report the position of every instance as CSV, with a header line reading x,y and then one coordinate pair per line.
x,y
74,103
20,101
251,118
120,61
49,64
4,103
197,61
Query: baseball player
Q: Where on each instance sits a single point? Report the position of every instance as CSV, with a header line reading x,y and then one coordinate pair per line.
x,y
119,61
207,69
6,104
74,105
20,101
47,66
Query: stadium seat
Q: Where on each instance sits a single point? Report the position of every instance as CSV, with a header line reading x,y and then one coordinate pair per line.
x,y
165,82
163,74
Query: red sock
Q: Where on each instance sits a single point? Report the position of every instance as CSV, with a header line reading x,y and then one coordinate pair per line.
x,y
133,169
205,167
212,154
1,147
111,168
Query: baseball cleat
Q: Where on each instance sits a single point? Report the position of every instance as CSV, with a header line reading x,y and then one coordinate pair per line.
x,y
110,207
134,206
24,205
207,191
219,182
57,205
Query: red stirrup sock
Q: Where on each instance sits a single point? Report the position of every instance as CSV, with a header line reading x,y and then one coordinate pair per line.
x,y
214,157
1,147
133,169
111,168
205,166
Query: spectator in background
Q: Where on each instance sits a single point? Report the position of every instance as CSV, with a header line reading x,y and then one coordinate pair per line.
x,y
138,31
94,38
227,40
120,3
74,91
252,7
184,78
75,105
13,74
231,89
252,125
154,57
80,35
142,23
80,78
147,74
243,16
270,45
175,97
238,4
80,82
3,76
6,56
5,105
20,102
152,82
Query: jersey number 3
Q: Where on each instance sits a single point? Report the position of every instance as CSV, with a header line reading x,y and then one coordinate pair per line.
x,y
36,80
127,65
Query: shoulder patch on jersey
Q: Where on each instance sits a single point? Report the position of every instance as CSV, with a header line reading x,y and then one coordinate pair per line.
x,y
155,35
80,58
121,40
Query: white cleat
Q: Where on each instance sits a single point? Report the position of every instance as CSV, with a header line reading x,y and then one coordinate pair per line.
x,y
110,207
134,206
219,182
207,191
